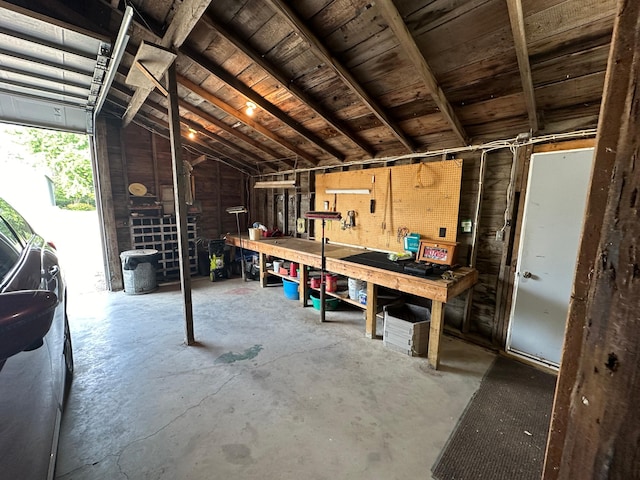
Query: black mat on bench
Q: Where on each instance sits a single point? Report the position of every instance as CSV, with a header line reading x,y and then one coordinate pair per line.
x,y
375,259
503,432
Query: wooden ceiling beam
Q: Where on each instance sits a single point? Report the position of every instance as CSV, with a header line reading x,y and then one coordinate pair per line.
x,y
287,84
516,18
211,119
246,91
162,123
198,90
408,45
345,75
246,138
188,14
201,129
211,150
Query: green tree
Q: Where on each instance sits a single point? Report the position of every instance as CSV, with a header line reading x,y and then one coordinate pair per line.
x,y
67,157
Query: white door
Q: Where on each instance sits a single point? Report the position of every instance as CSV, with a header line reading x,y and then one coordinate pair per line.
x,y
551,226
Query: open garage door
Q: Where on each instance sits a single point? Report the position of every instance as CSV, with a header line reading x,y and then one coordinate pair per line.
x,y
51,74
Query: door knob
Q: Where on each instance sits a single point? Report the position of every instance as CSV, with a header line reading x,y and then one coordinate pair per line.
x,y
527,275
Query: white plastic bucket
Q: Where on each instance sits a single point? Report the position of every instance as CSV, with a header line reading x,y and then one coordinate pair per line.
x,y
355,286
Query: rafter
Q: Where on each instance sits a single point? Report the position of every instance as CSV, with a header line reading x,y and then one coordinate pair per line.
x,y
516,18
408,45
286,83
240,87
188,14
185,82
211,119
161,109
323,53
246,138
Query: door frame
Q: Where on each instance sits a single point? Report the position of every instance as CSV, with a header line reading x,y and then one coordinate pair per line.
x,y
511,245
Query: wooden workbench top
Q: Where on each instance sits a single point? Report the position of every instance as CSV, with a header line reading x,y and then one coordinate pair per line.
x,y
308,252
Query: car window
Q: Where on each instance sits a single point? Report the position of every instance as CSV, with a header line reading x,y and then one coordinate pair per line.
x,y
14,222
9,254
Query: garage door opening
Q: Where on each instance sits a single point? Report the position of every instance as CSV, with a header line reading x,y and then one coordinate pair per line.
x,y
47,176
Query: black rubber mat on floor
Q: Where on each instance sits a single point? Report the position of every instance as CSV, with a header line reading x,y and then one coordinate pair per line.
x,y
503,431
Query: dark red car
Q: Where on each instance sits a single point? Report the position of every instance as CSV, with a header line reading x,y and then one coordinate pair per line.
x,y
36,360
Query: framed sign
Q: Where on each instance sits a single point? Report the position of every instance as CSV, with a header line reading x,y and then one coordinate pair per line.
x,y
441,253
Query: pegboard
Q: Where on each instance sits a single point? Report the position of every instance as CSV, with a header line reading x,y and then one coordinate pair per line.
x,y
418,198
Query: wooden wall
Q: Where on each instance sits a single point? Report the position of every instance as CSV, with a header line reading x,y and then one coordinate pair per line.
x,y
490,252
138,155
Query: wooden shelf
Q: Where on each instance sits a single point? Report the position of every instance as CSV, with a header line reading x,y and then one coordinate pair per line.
x,y
344,296
286,277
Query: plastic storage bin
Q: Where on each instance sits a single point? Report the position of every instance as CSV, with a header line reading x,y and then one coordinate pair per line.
x,y
406,329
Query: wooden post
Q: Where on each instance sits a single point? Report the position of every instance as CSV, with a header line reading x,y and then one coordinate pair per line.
x,y
181,206
104,204
595,424
262,258
371,310
435,334
218,187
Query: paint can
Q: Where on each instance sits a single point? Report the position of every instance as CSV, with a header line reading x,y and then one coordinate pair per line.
x,y
331,282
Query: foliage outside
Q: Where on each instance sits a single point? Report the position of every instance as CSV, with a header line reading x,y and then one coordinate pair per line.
x,y
67,157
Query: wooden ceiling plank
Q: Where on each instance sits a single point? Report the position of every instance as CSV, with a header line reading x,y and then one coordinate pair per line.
x,y
240,87
408,45
185,82
323,53
287,83
183,22
516,18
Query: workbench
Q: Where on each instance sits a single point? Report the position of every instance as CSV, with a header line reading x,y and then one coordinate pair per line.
x,y
307,253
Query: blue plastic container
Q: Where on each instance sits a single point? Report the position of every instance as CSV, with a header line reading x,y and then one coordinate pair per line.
x,y
290,289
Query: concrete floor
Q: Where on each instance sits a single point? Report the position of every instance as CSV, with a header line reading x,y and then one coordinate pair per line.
x,y
268,392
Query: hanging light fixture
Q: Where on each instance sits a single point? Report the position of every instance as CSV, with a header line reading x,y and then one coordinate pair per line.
x,y
192,133
251,107
276,184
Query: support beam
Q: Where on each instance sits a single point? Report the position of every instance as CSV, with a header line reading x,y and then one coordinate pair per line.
x,y
188,14
287,84
151,78
595,425
408,46
104,203
181,206
260,101
516,18
197,89
343,72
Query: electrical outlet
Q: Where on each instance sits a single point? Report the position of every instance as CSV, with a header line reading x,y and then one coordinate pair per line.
x,y
500,236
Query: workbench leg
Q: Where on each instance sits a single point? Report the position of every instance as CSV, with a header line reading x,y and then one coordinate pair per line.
x,y
435,333
370,311
303,288
263,269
